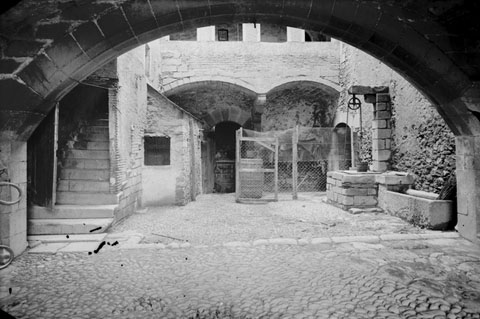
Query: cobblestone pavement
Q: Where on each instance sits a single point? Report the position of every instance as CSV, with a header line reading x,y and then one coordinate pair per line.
x,y
429,278
217,218
218,259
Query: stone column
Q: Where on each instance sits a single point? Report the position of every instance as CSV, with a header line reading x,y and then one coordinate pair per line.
x,y
257,111
382,133
381,124
468,184
13,218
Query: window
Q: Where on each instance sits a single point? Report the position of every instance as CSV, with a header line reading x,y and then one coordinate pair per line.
x,y
222,35
157,150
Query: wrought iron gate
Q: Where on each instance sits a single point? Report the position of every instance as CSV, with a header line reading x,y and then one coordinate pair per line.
x,y
256,168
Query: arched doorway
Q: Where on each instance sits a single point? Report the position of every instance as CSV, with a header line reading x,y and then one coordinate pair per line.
x,y
224,137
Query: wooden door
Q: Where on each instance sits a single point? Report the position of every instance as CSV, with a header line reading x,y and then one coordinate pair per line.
x,y
42,162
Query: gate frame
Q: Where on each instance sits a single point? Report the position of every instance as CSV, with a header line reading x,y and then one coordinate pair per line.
x,y
238,169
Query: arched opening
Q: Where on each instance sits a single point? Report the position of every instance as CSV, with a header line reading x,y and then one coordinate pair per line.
x,y
304,103
225,142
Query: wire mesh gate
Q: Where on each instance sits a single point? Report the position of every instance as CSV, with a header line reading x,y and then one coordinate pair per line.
x,y
256,168
290,161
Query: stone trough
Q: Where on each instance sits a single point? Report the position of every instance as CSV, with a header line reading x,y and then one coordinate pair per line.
x,y
420,208
389,191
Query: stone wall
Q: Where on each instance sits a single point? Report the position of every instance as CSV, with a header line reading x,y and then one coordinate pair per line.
x,y
172,184
421,143
127,116
255,65
206,76
13,226
302,104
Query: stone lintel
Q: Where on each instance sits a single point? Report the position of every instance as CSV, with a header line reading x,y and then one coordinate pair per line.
x,y
362,90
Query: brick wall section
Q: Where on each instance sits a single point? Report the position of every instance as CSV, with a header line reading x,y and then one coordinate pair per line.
x,y
13,226
129,121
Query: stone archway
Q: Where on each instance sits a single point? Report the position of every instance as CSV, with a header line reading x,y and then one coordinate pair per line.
x,y
65,42
48,53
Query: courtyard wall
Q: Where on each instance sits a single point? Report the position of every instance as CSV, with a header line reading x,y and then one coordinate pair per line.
x,y
128,119
422,142
257,66
176,182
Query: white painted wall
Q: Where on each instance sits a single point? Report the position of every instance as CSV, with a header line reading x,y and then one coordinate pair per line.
x,y
206,33
251,32
158,184
295,35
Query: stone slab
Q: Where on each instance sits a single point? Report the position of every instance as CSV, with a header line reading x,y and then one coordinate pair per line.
x,y
362,90
64,239
49,248
349,239
321,240
395,178
283,241
79,247
400,237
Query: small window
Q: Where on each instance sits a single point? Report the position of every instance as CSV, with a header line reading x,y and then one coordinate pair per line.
x,y
222,35
157,150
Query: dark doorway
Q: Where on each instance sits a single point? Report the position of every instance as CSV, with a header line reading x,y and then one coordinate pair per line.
x,y
225,157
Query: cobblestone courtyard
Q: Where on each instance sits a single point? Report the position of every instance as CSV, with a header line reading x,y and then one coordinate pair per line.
x,y
217,219
274,270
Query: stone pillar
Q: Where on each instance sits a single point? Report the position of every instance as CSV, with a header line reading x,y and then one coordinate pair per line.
x,y
13,219
382,133
468,186
257,111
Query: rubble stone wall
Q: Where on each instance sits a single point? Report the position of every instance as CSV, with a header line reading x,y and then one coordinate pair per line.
x,y
422,143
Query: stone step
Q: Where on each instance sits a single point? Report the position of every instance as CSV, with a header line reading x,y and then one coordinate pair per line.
x,y
85,145
100,122
104,146
67,226
70,185
79,163
88,154
84,174
96,137
64,239
97,129
85,198
72,211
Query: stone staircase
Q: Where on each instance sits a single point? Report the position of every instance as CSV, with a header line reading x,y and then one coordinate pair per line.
x,y
84,204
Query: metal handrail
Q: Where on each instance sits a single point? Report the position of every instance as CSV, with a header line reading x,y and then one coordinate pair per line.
x,y
19,190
